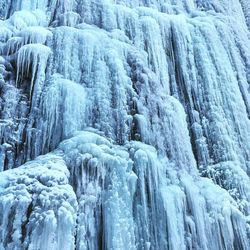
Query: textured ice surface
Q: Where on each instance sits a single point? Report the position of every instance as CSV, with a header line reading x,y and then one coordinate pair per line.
x,y
127,198
38,206
141,112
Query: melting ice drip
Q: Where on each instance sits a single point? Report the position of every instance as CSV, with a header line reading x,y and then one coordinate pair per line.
x,y
124,124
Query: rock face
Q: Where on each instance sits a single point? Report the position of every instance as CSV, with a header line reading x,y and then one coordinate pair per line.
x,y
124,124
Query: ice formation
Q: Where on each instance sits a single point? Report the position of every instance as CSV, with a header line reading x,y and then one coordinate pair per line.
x,y
124,124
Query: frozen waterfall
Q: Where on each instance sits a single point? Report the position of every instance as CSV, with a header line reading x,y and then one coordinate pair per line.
x,y
125,124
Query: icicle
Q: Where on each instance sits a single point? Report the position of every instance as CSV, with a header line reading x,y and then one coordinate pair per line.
x,y
172,75
24,18
102,187
69,19
5,32
32,57
35,34
63,107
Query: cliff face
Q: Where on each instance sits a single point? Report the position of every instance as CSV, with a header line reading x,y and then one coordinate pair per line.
x,y
124,124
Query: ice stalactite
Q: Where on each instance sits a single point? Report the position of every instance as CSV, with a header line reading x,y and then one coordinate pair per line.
x,y
141,112
128,198
32,59
64,115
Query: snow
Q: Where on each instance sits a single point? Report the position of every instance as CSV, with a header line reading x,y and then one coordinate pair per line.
x,y
124,124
